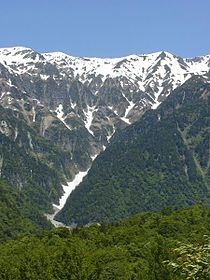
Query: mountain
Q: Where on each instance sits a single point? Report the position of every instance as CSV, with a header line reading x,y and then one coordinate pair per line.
x,y
82,92
58,112
160,161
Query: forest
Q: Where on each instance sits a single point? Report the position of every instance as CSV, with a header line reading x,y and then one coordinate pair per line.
x,y
170,245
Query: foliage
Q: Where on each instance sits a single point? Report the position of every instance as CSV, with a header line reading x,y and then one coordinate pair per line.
x,y
133,249
17,215
191,261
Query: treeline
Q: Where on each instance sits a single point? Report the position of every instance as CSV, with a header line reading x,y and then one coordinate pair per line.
x,y
160,245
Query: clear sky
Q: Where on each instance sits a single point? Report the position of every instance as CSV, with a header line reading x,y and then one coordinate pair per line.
x,y
107,28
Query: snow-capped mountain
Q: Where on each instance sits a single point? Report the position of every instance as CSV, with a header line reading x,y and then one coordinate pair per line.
x,y
58,112
91,97
149,73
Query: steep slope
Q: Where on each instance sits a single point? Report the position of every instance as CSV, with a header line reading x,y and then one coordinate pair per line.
x,y
32,164
17,215
58,112
161,160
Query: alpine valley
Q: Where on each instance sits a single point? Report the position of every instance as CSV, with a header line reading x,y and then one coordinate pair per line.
x,y
58,112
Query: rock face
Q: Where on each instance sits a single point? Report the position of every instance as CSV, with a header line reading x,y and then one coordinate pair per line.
x,y
35,165
78,103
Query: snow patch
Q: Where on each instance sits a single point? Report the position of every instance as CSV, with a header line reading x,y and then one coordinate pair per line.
x,y
94,157
73,105
60,114
129,108
44,77
69,188
34,114
157,103
2,94
59,111
110,136
89,118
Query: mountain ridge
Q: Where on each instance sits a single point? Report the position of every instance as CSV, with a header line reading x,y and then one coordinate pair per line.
x,y
76,109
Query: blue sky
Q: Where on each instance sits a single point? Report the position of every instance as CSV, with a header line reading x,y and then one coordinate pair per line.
x,y
107,28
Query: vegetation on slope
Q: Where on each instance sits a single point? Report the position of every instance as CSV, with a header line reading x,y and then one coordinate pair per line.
x,y
17,215
161,160
32,164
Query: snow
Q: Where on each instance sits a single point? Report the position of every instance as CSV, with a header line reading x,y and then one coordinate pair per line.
x,y
2,94
129,108
67,191
94,157
131,66
17,59
73,105
106,67
44,77
69,188
89,118
157,103
59,111
140,71
110,136
9,82
9,100
60,115
16,133
34,114
199,67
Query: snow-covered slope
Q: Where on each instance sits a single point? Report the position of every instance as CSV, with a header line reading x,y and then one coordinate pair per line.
x,y
131,67
148,71
20,59
156,73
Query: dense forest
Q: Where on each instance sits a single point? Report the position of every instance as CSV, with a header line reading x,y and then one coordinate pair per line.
x,y
161,160
171,245
17,215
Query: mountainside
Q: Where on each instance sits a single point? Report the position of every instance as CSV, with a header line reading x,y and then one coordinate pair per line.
x,y
34,165
57,112
161,160
17,215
